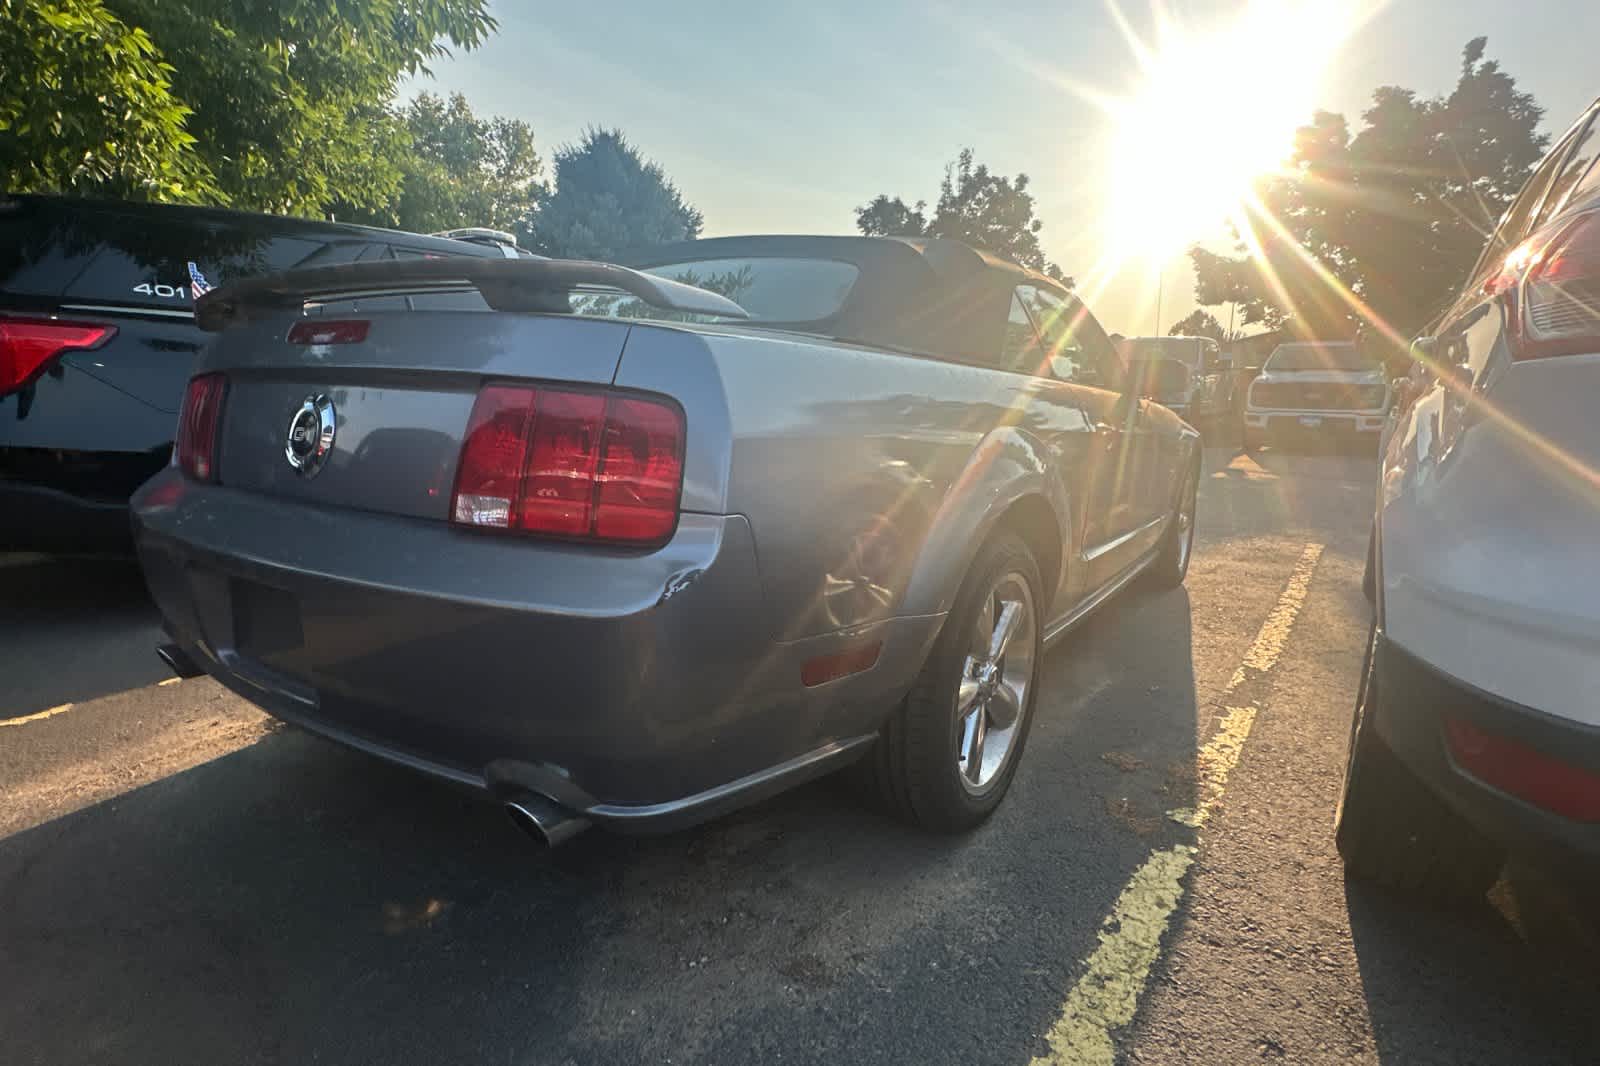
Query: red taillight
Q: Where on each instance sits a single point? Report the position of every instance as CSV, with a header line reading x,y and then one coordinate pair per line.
x,y
1524,772
568,463
198,421
1560,305
28,344
640,471
1552,285
315,331
558,491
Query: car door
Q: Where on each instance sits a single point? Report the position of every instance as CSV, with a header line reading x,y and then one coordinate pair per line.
x,y
1079,357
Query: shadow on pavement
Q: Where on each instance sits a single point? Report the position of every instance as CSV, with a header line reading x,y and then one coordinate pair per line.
x,y
75,629
1461,986
294,902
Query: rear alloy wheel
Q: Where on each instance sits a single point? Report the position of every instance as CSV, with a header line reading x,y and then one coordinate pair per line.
x,y
1392,829
1177,543
947,756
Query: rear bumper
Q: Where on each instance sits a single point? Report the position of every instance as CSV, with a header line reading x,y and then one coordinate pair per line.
x,y
1350,423
640,689
53,498
42,519
1417,700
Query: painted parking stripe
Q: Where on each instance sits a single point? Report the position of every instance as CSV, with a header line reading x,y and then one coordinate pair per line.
x,y
1106,994
38,716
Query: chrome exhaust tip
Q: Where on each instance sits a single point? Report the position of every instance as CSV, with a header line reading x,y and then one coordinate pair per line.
x,y
543,820
178,661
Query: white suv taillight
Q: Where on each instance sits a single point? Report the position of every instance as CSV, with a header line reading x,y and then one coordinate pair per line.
x,y
576,464
1552,281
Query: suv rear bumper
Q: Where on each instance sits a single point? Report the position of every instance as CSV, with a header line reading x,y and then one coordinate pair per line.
x,y
642,689
1416,704
1352,423
42,519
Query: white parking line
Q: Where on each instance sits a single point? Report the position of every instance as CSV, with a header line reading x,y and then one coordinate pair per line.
x,y
1106,995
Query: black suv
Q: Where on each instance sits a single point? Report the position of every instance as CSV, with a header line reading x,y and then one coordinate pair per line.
x,y
97,340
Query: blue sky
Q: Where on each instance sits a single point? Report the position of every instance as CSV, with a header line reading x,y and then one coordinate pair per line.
x,y
784,118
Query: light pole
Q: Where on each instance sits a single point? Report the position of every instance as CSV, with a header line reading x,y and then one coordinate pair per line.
x,y
1161,280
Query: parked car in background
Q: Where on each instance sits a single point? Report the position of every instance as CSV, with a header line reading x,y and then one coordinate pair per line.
x,y
634,546
505,243
1316,389
1188,375
1477,729
97,339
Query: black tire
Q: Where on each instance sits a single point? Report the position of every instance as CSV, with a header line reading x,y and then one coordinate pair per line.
x,y
912,769
1177,543
1392,830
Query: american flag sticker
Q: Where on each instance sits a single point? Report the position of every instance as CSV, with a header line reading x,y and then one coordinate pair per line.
x,y
198,285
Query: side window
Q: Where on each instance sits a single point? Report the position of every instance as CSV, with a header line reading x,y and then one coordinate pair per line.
x,y
1588,185
1022,351
1576,164
334,253
1514,226
1076,348
417,253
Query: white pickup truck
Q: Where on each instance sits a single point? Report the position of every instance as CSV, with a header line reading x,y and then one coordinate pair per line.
x,y
1316,389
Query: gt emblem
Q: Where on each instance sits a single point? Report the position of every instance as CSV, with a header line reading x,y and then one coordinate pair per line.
x,y
310,436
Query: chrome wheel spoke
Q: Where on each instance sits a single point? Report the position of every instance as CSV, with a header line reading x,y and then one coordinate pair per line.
x,y
1004,707
967,693
974,732
1004,629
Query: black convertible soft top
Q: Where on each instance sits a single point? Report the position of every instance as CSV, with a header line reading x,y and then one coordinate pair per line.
x,y
928,295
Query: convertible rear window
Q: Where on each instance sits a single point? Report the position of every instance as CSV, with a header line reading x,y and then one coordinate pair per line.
x,y
773,289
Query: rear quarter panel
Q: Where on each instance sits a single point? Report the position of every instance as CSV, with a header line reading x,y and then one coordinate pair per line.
x,y
1487,512
869,478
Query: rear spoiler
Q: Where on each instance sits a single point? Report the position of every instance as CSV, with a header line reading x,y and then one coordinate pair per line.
x,y
538,285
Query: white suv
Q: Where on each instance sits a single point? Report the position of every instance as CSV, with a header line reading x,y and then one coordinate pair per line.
x,y
1322,388
1478,724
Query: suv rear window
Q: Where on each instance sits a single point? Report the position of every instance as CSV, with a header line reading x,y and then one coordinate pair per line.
x,y
164,278
93,253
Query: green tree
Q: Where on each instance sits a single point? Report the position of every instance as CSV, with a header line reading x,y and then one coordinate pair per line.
x,y
285,104
460,170
1200,323
609,198
86,105
1395,214
987,211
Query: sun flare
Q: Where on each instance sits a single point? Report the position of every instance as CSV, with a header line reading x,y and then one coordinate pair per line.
x,y
1214,111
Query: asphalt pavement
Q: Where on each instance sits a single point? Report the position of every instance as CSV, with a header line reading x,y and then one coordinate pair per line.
x,y
183,881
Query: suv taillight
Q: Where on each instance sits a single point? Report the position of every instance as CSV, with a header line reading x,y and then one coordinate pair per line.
x,y
28,344
1554,282
196,447
581,465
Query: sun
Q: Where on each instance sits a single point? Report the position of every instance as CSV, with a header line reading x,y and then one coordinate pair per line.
x,y
1215,110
